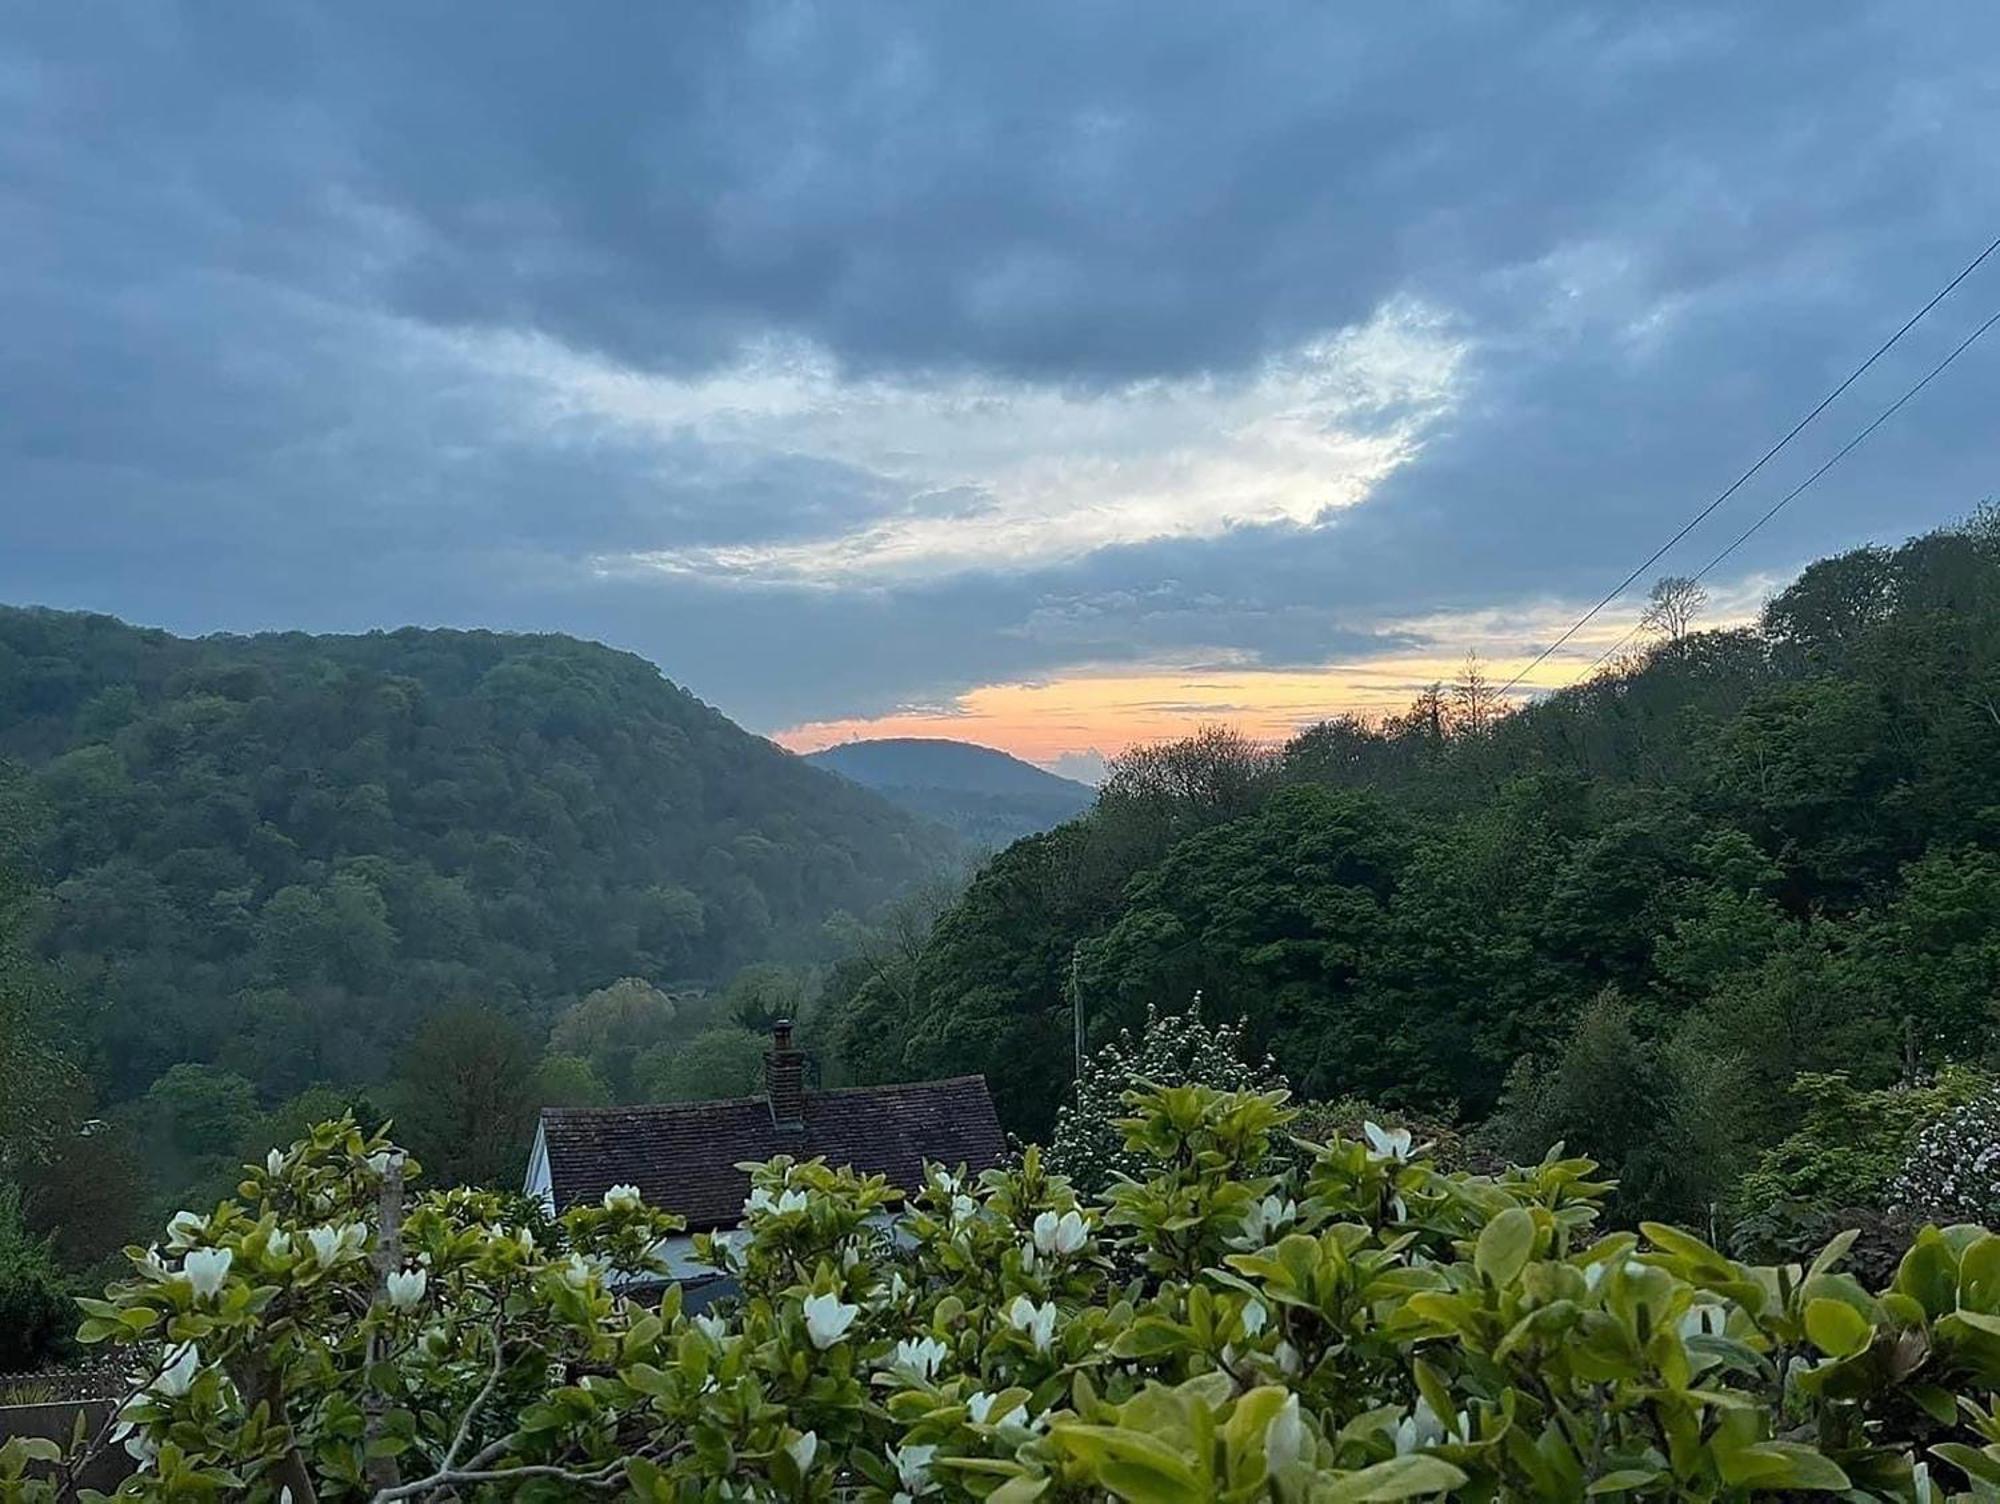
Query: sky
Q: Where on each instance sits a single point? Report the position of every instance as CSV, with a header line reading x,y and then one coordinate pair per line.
x,y
1053,376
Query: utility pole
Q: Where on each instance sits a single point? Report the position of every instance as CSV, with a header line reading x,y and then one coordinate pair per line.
x,y
1076,1003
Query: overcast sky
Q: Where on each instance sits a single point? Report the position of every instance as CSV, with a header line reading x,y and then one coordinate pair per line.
x,y
1048,375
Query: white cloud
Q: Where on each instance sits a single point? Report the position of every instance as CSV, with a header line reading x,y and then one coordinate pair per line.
x,y
1000,473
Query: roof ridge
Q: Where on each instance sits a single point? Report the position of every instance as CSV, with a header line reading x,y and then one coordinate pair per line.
x,y
715,1103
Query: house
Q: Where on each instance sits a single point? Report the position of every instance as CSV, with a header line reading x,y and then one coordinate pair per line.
x,y
683,1156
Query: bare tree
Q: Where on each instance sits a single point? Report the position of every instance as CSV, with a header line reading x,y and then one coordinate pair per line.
x,y
1675,602
1475,702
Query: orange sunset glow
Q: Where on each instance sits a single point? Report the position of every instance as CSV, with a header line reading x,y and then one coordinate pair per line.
x,y
1108,711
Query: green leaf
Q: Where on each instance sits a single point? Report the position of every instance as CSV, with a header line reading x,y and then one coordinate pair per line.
x,y
1132,1464
1834,1252
1625,1479
1979,1276
1981,1465
1929,1274
1504,1245
1782,1464
1018,1490
1398,1478
1979,1321
1836,1328
1685,1246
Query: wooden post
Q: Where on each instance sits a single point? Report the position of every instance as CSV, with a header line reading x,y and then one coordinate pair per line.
x,y
382,1472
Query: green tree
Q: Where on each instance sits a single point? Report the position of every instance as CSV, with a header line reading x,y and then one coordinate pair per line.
x,y
464,1098
1661,1119
612,1027
1270,917
568,1081
37,1312
724,1062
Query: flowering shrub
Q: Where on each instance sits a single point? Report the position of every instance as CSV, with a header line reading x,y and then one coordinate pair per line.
x,y
1088,1146
1360,1327
1953,1169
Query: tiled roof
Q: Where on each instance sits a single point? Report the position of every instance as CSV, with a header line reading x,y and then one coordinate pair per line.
x,y
683,1155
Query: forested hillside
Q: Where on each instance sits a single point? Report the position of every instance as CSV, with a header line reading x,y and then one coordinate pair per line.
x,y
255,865
1640,914
985,795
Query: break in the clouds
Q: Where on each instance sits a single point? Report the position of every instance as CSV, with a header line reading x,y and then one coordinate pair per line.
x,y
983,469
1060,369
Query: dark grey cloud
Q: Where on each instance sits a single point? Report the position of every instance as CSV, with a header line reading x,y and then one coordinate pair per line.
x,y
244,255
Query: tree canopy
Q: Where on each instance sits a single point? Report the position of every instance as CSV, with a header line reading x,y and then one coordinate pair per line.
x,y
1734,858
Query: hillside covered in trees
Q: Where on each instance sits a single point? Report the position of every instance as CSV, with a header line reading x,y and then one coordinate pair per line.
x,y
253,867
1660,914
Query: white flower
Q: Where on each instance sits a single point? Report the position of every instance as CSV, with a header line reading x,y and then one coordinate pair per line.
x,y
791,1201
803,1448
1017,1417
979,1406
206,1269
1287,1358
278,1245
1039,1322
1285,1440
576,1272
759,1200
1254,1317
274,1162
1266,1217
919,1355
913,1467
711,1327
1419,1429
334,1245
383,1160
183,1228
827,1319
175,1378
963,1207
142,1448
944,1181
1392,1144
406,1288
622,1198
526,1238
1700,1320
1059,1235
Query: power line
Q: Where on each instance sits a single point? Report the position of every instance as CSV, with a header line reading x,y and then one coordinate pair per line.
x,y
1768,455
1779,505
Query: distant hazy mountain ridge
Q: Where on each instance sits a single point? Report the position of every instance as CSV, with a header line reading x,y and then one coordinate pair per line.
x,y
984,794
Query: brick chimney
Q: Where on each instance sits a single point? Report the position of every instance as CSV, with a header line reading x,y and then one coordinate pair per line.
x,y
785,1078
